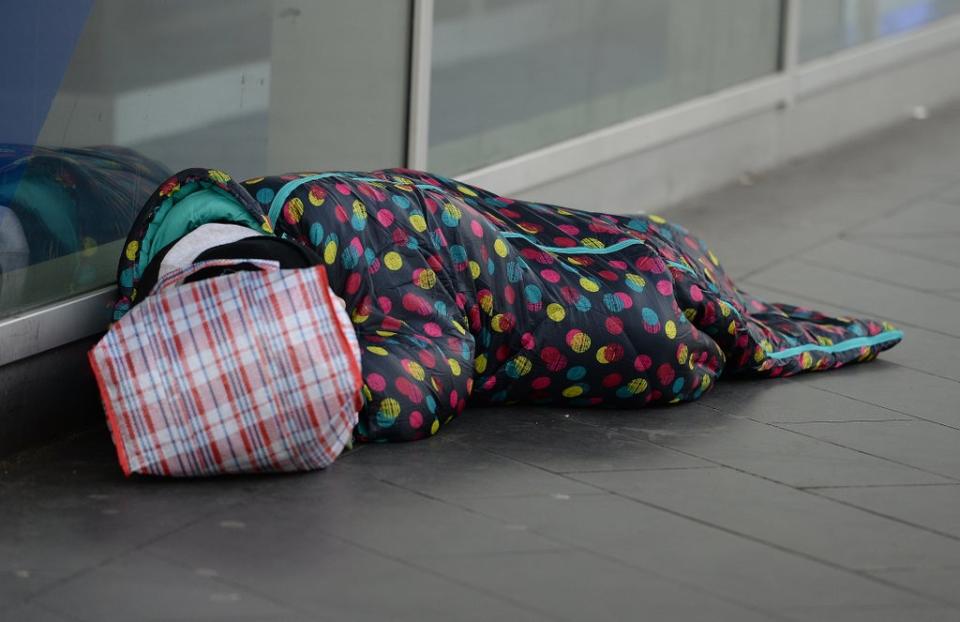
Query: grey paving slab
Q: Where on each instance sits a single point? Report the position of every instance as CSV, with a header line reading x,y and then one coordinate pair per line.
x,y
885,265
870,297
921,349
140,587
764,450
939,248
555,440
691,552
934,507
929,446
938,216
875,614
940,583
450,468
34,613
787,401
796,520
905,390
284,552
575,585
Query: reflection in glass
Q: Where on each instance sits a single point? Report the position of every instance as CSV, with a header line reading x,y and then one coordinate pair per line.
x,y
828,26
121,92
510,77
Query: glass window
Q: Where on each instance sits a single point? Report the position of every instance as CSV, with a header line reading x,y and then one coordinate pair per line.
x,y
828,26
509,77
101,100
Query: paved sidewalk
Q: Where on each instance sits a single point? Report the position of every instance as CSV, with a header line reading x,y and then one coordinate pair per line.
x,y
826,497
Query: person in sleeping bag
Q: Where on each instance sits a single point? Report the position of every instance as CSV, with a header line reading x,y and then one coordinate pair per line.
x,y
459,295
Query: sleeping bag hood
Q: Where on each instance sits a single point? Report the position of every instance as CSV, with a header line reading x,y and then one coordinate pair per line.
x,y
184,202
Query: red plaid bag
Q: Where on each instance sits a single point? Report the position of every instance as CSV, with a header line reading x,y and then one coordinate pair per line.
x,y
253,371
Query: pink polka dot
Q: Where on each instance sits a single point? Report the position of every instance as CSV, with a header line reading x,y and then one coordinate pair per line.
x,y
490,382
477,229
376,382
642,363
612,380
416,304
696,294
650,264
509,294
415,419
453,399
614,325
385,217
385,304
608,275
564,242
428,359
665,288
569,229
341,213
550,275
353,283
432,329
665,373
540,383
625,299
342,188
527,341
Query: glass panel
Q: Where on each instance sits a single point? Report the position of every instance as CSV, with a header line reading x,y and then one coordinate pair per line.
x,y
828,26
512,76
120,93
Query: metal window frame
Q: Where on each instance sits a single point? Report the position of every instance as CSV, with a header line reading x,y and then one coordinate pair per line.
x,y
793,81
48,327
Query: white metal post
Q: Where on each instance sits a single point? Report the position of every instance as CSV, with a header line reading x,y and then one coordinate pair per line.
x,y
789,48
421,49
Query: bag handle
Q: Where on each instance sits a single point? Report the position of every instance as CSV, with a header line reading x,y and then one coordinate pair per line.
x,y
177,276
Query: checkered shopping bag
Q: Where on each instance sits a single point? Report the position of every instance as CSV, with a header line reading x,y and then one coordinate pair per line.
x,y
252,371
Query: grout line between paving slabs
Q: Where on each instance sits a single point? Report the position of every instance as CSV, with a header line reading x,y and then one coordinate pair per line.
x,y
124,552
575,546
860,573
868,277
903,251
839,234
845,486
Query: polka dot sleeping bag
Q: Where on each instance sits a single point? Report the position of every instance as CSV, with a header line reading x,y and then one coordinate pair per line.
x,y
461,296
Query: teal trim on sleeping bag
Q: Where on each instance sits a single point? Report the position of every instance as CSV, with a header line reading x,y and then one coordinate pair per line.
x,y
195,204
843,346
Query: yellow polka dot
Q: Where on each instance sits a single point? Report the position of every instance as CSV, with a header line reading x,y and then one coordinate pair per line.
x,y
556,312
591,243
690,313
713,258
580,342
359,209
589,284
266,226
522,365
377,350
418,223
637,385
330,252
480,363
459,327
705,383
671,329
452,210
427,279
500,247
219,176
563,212
464,190
454,366
732,328
393,260
682,353
657,219
390,408
573,391
358,318
132,249
497,323
806,360
636,279
294,210
474,269
386,333
416,370
435,426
